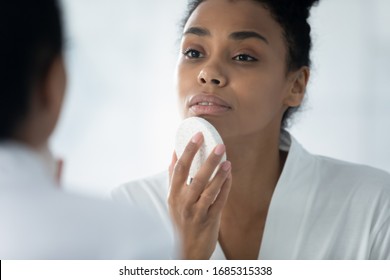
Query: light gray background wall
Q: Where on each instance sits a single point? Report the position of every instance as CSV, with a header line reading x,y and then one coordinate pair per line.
x,y
120,113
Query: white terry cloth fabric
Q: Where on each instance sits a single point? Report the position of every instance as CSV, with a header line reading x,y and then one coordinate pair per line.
x,y
39,221
322,208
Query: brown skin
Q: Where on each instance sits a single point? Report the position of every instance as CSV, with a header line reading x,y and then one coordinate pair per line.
x,y
44,107
250,76
197,209
44,110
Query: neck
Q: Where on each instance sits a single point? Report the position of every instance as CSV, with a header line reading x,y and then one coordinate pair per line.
x,y
256,167
32,132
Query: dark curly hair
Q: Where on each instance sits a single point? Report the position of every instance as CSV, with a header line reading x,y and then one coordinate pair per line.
x,y
31,38
292,15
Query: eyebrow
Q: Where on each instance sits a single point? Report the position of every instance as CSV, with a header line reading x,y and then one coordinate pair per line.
x,y
237,36
197,31
242,35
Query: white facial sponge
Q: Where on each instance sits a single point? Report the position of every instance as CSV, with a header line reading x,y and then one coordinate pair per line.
x,y
187,129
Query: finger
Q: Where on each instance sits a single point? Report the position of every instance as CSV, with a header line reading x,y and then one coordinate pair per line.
x,y
202,178
172,165
170,170
216,208
183,164
209,195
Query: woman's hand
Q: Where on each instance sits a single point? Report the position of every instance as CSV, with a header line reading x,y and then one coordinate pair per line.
x,y
196,209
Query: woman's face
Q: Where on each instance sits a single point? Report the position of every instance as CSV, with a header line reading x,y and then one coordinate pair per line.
x,y
232,68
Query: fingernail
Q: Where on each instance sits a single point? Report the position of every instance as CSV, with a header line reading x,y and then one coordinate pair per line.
x,y
196,138
219,149
226,166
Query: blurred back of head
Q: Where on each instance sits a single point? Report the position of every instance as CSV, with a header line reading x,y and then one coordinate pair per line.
x,y
31,39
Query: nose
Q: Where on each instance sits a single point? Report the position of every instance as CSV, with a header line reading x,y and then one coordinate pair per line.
x,y
211,76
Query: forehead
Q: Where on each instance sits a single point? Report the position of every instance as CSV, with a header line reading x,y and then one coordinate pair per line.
x,y
225,16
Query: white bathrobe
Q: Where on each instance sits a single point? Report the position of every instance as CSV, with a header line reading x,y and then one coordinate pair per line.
x,y
321,208
39,221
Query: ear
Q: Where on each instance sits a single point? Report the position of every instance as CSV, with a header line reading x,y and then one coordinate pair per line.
x,y
53,84
50,97
44,106
296,92
54,88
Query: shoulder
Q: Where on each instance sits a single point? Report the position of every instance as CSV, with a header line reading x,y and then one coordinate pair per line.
x,y
122,231
325,170
337,180
66,226
353,174
143,190
128,231
150,193
362,189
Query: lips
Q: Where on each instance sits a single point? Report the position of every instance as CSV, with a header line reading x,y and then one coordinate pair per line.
x,y
207,100
207,104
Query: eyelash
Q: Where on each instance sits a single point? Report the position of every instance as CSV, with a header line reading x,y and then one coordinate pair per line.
x,y
195,54
245,58
187,53
242,57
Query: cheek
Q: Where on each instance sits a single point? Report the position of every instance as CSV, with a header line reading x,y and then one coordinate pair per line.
x,y
255,92
59,87
62,82
184,83
260,99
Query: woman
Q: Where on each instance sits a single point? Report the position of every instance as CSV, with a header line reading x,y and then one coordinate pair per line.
x,y
244,67
37,219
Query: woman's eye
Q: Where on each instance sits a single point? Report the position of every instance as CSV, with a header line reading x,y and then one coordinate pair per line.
x,y
191,53
244,57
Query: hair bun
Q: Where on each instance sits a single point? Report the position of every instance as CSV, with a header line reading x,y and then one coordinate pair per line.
x,y
308,3
298,9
